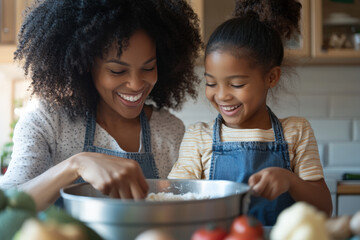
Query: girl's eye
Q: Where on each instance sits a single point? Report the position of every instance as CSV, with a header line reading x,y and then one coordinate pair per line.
x,y
238,86
210,84
118,72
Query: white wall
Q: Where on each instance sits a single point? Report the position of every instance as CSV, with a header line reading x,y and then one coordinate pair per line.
x,y
12,86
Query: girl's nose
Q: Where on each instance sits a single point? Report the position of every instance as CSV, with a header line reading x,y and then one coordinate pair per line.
x,y
223,94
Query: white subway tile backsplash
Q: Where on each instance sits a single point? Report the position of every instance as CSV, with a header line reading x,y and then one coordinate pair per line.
x,y
345,106
287,105
336,172
331,130
329,80
313,106
321,148
344,154
301,105
357,130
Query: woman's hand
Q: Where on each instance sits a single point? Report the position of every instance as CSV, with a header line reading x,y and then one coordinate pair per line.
x,y
271,182
113,176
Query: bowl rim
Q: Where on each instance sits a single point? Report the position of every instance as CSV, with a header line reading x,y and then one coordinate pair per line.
x,y
108,200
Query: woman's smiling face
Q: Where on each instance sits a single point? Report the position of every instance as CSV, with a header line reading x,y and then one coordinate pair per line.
x,y
125,82
236,89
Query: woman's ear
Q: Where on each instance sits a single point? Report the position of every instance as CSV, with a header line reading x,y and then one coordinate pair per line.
x,y
274,76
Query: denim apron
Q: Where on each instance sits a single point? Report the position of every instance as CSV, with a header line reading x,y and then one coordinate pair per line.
x,y
237,161
145,158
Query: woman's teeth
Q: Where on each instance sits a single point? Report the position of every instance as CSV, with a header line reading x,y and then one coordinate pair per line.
x,y
229,108
131,98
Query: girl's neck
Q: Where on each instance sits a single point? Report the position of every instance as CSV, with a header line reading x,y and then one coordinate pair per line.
x,y
259,120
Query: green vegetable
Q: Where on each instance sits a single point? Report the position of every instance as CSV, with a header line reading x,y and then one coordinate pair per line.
x,y
60,216
3,200
20,200
11,221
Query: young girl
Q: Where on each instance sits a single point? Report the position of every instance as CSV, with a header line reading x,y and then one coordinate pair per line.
x,y
247,143
105,73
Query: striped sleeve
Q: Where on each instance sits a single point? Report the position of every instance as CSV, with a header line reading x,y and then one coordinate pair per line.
x,y
303,149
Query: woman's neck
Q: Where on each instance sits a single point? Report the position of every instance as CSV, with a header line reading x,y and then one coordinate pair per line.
x,y
112,120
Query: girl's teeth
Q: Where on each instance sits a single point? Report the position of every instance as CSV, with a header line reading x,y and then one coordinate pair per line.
x,y
230,108
130,98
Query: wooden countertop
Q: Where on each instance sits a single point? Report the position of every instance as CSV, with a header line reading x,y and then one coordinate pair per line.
x,y
350,187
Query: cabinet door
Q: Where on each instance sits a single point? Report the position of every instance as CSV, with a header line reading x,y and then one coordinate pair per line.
x,y
7,22
299,45
348,205
11,18
212,13
335,29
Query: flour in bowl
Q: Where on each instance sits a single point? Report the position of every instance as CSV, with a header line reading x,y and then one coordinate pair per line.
x,y
165,196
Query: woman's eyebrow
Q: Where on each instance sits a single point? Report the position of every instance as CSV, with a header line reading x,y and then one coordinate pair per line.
x,y
150,60
114,60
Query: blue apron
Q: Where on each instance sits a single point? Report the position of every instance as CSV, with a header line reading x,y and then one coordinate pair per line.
x,y
145,159
237,161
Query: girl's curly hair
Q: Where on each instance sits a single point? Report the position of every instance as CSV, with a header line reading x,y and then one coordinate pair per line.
x,y
282,15
59,40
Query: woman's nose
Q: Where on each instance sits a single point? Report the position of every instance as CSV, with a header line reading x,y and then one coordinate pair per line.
x,y
135,82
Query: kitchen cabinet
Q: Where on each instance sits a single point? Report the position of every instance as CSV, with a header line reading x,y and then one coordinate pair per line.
x,y
336,29
330,29
7,24
347,197
348,205
11,16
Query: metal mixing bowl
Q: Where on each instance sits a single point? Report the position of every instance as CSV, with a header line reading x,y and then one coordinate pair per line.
x,y
125,219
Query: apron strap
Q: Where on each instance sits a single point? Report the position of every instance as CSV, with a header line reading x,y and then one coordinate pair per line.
x,y
146,133
90,129
277,127
217,129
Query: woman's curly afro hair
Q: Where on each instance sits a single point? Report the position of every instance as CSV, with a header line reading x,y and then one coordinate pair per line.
x,y
60,39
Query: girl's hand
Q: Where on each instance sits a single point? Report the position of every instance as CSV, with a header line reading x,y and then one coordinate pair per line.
x,y
113,176
271,182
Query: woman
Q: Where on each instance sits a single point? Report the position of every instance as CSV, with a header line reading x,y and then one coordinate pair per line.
x,y
93,65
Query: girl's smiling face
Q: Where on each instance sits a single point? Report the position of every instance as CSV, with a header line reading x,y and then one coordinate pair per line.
x,y
125,82
237,90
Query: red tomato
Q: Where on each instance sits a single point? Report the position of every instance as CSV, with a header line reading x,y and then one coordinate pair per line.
x,y
211,232
247,227
234,236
